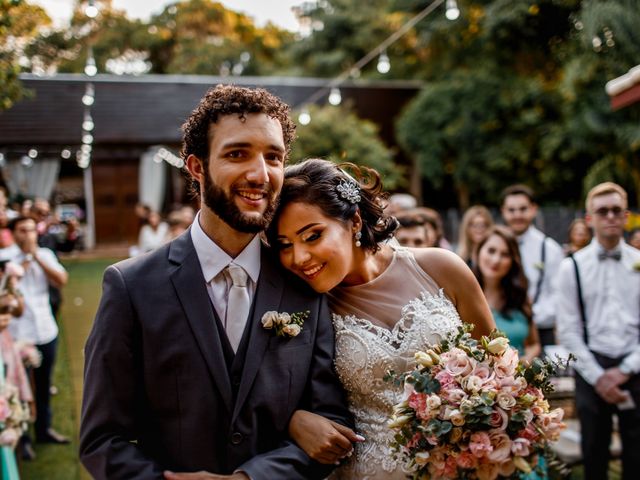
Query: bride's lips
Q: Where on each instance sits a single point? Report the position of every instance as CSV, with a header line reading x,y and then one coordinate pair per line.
x,y
312,272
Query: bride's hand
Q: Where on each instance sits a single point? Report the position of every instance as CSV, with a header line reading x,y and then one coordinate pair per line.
x,y
323,440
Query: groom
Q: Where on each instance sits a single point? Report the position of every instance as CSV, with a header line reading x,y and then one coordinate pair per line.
x,y
180,373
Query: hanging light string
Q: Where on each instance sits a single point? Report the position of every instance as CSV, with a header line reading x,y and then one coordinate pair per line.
x,y
380,48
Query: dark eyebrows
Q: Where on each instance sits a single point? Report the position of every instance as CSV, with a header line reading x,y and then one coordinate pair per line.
x,y
306,227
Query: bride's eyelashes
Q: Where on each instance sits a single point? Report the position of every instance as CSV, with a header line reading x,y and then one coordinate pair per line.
x,y
311,236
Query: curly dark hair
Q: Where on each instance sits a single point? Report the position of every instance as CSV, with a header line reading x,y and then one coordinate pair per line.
x,y
515,283
315,182
229,100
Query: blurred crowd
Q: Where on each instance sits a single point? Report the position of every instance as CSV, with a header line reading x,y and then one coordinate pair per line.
x,y
155,230
582,298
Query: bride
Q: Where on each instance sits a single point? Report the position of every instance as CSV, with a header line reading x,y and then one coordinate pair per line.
x,y
387,303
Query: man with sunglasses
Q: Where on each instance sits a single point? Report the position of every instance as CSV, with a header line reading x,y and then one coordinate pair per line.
x,y
598,300
541,256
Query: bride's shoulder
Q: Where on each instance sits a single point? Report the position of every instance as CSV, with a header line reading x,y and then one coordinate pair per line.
x,y
445,267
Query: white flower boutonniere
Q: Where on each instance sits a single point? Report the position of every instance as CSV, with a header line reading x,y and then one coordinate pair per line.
x,y
539,266
636,267
285,324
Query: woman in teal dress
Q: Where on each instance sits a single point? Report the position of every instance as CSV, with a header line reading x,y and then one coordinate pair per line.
x,y
501,276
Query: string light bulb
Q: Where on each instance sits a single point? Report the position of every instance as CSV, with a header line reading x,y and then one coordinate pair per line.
x,y
304,118
384,64
87,123
335,97
89,95
452,11
90,68
91,10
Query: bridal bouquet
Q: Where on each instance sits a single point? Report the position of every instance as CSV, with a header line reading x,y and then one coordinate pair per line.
x,y
14,415
470,410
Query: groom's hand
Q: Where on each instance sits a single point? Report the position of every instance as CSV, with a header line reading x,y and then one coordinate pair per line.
x,y
203,476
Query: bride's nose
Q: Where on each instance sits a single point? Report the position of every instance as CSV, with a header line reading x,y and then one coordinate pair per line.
x,y
300,255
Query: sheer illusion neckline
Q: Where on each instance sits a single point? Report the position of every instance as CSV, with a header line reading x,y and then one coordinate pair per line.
x,y
375,280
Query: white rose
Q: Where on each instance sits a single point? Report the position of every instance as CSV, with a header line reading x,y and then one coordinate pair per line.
x,y
291,329
433,402
498,345
473,383
457,418
269,319
506,401
284,319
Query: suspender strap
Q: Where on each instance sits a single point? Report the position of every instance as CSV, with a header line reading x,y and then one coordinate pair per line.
x,y
541,277
580,300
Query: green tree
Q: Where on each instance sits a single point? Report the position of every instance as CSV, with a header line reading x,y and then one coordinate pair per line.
x,y
19,22
337,134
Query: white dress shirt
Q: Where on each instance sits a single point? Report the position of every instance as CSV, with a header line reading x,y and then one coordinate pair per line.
x,y
37,324
611,295
530,242
213,260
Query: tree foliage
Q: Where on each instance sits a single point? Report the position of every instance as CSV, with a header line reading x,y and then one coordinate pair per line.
x,y
337,134
19,22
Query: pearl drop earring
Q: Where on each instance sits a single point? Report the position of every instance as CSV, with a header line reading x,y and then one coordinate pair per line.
x,y
357,237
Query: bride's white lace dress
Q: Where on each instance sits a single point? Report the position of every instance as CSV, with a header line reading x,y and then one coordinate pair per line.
x,y
365,352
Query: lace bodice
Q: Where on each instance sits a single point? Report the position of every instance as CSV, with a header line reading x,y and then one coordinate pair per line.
x,y
365,352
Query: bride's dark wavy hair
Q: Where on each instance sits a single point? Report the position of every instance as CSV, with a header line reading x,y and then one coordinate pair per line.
x,y
315,182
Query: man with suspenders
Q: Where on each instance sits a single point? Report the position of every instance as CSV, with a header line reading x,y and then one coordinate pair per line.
x,y
541,256
598,300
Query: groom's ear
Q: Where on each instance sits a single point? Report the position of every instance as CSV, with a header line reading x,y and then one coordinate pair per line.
x,y
195,167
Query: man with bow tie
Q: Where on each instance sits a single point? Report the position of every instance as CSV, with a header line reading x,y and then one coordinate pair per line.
x,y
598,307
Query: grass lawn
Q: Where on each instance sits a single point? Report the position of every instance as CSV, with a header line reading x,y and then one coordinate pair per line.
x,y
81,296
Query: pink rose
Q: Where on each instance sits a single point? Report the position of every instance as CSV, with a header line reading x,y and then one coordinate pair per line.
x,y
446,379
505,365
466,460
457,362
484,372
501,447
521,447
480,444
418,401
454,396
499,419
530,432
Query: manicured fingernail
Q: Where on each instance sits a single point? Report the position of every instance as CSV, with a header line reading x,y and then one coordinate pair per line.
x,y
360,438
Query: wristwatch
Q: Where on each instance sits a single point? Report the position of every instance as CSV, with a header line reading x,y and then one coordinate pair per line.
x,y
624,368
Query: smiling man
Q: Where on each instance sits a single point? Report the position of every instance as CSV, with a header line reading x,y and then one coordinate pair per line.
x,y
541,256
180,374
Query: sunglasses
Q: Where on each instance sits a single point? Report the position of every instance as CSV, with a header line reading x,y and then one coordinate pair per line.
x,y
605,211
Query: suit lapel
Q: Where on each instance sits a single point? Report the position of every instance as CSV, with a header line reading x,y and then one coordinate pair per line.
x,y
268,297
190,287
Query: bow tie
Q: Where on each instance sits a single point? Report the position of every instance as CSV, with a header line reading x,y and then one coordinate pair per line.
x,y
612,254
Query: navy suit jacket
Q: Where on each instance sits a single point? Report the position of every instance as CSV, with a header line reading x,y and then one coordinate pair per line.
x,y
157,393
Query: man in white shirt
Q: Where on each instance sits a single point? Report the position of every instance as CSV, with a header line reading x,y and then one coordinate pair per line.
x,y
541,256
37,324
598,298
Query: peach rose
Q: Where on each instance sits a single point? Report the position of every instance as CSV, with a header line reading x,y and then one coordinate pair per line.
x,y
501,447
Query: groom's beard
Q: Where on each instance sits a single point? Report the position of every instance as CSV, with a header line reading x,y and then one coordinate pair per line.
x,y
224,207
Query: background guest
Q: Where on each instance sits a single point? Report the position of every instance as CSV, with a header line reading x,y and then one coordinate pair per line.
x,y
153,234
634,238
579,236
412,231
501,276
475,223
598,298
541,255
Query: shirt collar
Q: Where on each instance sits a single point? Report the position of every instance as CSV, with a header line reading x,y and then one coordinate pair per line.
x,y
213,259
527,234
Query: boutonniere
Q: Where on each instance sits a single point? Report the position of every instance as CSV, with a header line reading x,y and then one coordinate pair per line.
x,y
285,324
636,267
539,266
